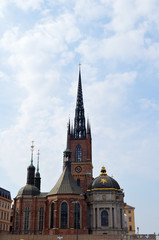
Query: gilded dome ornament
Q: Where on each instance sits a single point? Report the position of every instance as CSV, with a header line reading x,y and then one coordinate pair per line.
x,y
103,171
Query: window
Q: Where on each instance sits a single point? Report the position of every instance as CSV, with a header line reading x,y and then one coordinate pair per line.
x,y
78,154
52,216
26,219
121,219
5,216
113,216
64,215
104,218
41,217
0,203
77,216
78,182
129,211
16,220
129,219
130,228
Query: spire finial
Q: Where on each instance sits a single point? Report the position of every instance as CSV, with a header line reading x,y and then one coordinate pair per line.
x,y
103,171
38,160
79,67
32,150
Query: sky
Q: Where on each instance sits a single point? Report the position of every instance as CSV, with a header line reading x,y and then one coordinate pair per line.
x,y
42,43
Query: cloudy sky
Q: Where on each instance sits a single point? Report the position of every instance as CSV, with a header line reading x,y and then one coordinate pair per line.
x,y
117,42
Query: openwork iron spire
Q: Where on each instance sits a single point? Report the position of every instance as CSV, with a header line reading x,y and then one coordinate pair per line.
x,y
79,121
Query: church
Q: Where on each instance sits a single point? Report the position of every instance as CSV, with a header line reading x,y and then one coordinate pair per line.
x,y
78,201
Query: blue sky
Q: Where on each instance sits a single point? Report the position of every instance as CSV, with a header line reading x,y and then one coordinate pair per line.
x,y
41,44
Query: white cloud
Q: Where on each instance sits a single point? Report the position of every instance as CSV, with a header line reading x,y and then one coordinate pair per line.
x,y
29,4
3,6
149,104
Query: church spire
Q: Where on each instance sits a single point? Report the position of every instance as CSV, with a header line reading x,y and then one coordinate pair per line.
x,y
79,121
31,168
37,180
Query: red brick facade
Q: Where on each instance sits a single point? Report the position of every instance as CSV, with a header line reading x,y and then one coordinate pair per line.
x,y
85,174
34,204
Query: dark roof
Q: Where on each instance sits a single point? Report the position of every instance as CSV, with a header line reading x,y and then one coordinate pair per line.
x,y
65,185
104,183
28,189
5,193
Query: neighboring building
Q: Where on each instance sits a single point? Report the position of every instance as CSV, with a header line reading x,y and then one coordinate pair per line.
x,y
129,211
5,210
77,201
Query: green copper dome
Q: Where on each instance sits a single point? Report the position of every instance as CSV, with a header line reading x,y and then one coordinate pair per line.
x,y
104,183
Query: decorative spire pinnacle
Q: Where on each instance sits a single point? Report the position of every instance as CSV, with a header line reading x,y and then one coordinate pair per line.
x,y
32,150
38,161
88,126
67,152
103,171
79,122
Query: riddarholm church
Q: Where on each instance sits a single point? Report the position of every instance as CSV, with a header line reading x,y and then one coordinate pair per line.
x,y
77,201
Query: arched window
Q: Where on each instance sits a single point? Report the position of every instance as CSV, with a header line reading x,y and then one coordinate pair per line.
x,y
52,215
77,216
104,218
26,219
78,154
41,218
78,182
64,215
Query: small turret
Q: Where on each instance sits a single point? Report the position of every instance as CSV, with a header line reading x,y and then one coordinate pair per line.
x,y
37,181
67,152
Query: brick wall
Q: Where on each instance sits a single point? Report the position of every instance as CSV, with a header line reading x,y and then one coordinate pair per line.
x,y
73,237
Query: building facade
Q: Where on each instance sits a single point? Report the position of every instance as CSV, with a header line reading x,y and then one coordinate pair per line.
x,y
77,202
129,211
5,210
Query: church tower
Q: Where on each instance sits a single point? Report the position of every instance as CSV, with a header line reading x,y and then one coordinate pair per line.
x,y
80,143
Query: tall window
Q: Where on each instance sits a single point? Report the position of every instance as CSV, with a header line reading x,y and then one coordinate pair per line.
x,y
121,218
78,182
77,216
113,216
52,216
104,218
78,154
16,220
26,219
41,218
64,215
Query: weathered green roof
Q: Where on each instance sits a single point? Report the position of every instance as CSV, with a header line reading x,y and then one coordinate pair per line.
x,y
66,184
